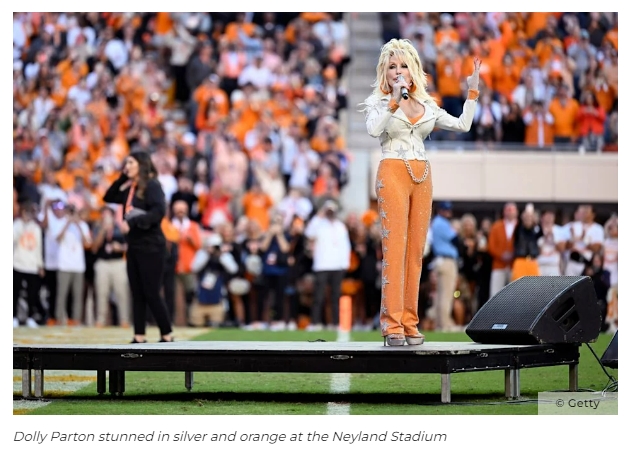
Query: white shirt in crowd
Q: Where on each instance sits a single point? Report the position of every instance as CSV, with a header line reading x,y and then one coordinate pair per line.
x,y
51,246
116,52
27,246
71,252
169,184
588,234
509,226
260,77
294,206
549,260
303,164
331,244
80,95
610,259
289,153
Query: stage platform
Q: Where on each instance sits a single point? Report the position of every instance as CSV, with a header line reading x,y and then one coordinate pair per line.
x,y
443,358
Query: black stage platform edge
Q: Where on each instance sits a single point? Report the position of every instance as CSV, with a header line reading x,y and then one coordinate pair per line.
x,y
444,358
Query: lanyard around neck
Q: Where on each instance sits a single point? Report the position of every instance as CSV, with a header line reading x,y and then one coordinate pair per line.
x,y
131,195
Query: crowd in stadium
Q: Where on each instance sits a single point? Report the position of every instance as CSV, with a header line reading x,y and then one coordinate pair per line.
x,y
240,112
547,78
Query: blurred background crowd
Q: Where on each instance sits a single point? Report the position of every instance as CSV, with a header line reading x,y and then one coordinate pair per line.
x,y
242,114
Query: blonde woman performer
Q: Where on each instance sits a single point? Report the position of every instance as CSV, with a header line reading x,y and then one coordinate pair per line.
x,y
402,114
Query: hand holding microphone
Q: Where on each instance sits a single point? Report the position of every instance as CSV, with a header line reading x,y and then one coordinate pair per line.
x,y
404,91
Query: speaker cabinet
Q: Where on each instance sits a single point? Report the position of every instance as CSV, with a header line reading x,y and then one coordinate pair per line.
x,y
610,356
535,310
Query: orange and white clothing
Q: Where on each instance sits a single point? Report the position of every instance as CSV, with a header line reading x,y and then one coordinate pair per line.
x,y
27,246
550,258
189,242
400,193
501,248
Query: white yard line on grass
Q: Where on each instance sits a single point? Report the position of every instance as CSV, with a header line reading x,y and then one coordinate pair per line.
x,y
339,383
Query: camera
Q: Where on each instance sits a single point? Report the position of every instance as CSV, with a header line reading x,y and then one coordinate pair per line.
x,y
58,205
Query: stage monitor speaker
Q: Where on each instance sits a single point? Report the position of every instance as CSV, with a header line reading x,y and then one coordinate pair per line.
x,y
610,356
535,310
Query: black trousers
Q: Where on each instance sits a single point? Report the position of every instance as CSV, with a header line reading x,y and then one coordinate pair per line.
x,y
277,285
33,284
169,289
145,275
322,280
49,281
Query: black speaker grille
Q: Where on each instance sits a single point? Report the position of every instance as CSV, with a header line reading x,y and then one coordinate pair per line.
x,y
539,310
519,303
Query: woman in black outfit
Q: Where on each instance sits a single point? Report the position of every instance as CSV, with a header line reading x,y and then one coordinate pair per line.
x,y
143,200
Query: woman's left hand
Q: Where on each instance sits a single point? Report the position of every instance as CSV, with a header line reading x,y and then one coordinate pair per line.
x,y
473,81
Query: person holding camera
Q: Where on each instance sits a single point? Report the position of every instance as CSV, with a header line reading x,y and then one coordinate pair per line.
x,y
109,247
73,236
331,257
51,221
274,248
211,264
139,192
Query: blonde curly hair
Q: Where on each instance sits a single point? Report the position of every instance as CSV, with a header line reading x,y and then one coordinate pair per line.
x,y
407,53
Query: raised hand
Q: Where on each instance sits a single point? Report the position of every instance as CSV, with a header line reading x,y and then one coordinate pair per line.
x,y
473,81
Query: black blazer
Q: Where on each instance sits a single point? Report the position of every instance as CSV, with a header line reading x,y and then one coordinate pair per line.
x,y
145,230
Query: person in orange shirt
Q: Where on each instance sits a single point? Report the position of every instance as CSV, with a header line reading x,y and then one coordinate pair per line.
x,y
446,33
256,205
189,243
215,206
233,29
538,125
535,22
448,72
501,248
506,77
478,50
612,36
591,118
564,110
209,90
520,50
232,60
602,90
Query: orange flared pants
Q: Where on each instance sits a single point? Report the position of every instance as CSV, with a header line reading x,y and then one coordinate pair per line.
x,y
405,209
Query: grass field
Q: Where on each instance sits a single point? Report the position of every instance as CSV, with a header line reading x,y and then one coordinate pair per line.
x,y
163,393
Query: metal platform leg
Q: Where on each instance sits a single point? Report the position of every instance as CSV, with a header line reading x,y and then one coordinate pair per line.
x,y
122,383
573,377
445,388
38,383
101,382
188,380
513,385
26,383
117,382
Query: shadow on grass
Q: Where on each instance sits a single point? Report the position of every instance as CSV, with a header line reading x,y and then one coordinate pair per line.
x,y
299,398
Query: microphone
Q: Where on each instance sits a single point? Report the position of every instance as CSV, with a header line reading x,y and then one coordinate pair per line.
x,y
404,91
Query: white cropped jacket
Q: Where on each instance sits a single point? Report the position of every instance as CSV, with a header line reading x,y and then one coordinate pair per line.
x,y
400,138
